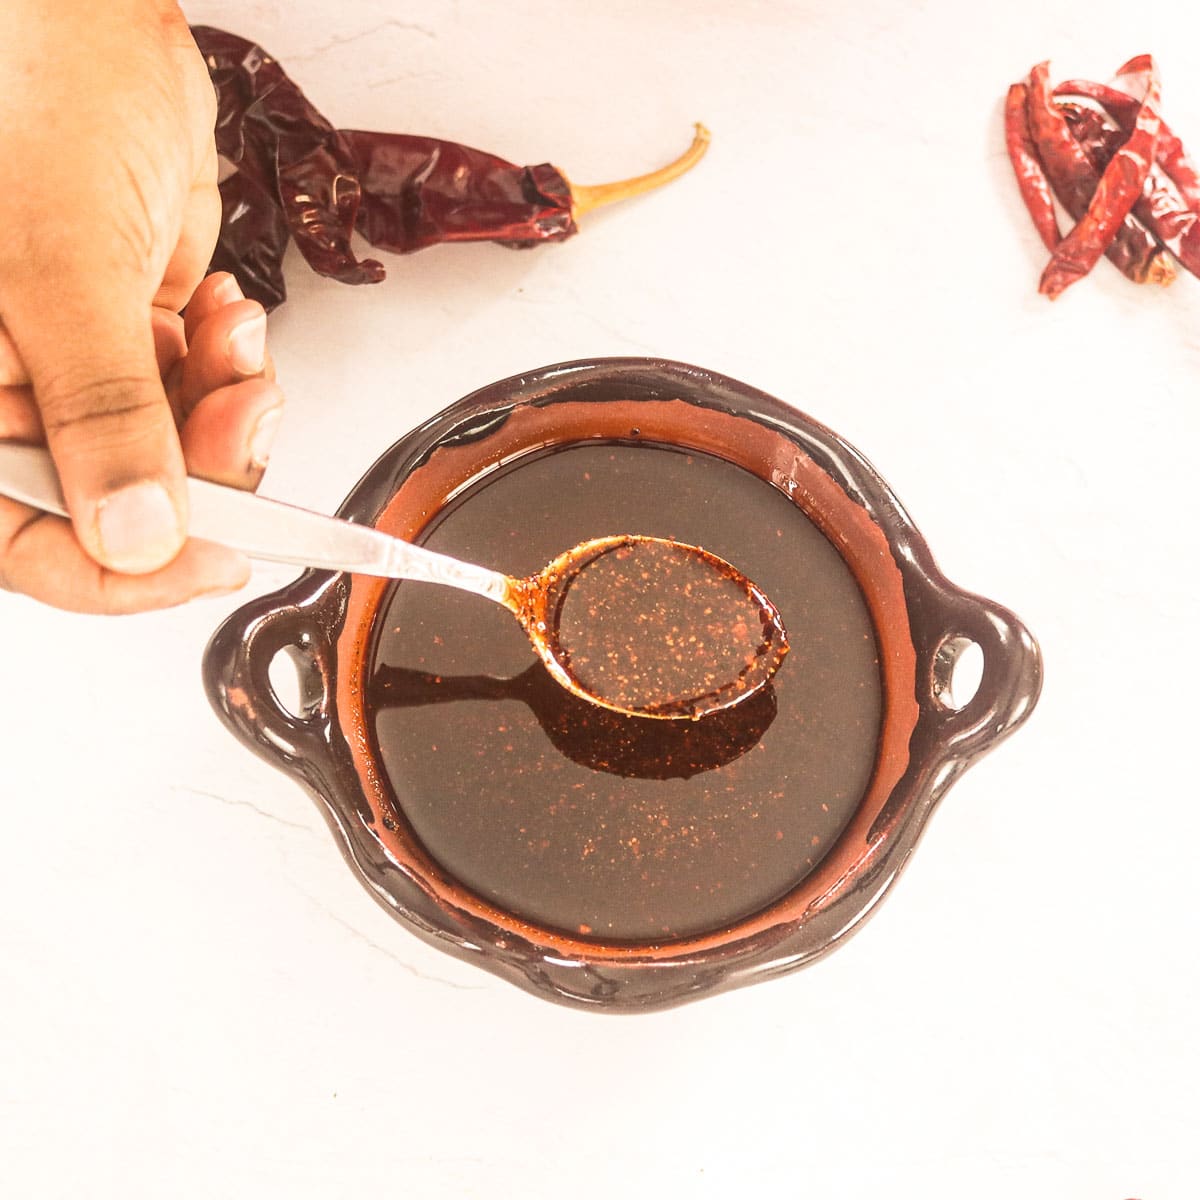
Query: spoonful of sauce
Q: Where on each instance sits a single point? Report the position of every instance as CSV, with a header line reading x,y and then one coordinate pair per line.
x,y
649,626
639,625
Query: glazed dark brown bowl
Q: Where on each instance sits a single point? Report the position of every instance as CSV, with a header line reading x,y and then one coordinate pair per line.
x,y
331,626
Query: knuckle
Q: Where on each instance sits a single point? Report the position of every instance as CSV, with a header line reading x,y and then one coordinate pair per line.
x,y
135,222
110,408
134,245
116,597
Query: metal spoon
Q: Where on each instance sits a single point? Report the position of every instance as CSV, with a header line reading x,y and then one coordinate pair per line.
x,y
640,625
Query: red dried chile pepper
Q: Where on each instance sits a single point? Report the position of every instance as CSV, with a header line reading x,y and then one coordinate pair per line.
x,y
254,236
1171,155
298,177
1161,207
1097,135
418,191
1118,190
1132,248
1116,167
1031,178
273,136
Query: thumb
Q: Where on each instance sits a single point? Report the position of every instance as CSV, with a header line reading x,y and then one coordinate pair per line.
x,y
108,425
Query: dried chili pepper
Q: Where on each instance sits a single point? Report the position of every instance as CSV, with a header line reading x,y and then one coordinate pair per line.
x,y
270,133
254,236
1031,178
1114,198
400,192
1097,135
1132,248
419,191
1116,167
1171,155
1170,205
1161,207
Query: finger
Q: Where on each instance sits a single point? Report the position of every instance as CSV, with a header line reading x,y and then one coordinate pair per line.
x,y
197,240
228,346
20,420
217,290
170,346
12,369
228,437
41,557
91,359
170,341
170,349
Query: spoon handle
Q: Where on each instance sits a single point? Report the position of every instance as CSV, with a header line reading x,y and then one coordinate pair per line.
x,y
269,530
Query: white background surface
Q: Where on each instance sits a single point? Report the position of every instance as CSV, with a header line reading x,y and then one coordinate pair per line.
x,y
196,997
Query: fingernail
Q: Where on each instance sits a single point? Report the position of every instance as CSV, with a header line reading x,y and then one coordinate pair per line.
x,y
139,528
228,291
248,345
263,437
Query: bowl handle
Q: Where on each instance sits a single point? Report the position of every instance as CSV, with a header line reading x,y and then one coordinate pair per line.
x,y
1008,687
237,676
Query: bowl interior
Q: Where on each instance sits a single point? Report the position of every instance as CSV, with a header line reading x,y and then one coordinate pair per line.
x,y
516,808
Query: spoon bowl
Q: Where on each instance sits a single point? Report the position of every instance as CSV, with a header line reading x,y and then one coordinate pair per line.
x,y
651,627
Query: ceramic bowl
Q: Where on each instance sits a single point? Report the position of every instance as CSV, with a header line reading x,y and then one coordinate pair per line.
x,y
329,626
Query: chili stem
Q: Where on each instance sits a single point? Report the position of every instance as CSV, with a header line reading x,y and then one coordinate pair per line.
x,y
585,199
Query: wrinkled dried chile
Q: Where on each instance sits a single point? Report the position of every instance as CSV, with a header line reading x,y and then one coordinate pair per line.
x,y
1171,155
597,823
1161,207
1031,175
1114,166
298,178
1117,191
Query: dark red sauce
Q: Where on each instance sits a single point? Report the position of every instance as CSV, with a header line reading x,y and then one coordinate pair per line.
x,y
589,821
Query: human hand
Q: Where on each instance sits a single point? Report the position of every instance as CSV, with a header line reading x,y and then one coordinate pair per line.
x,y
109,171
226,418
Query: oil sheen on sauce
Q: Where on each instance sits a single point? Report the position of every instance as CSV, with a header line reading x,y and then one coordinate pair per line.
x,y
624,828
